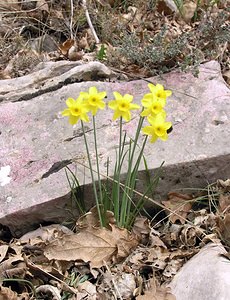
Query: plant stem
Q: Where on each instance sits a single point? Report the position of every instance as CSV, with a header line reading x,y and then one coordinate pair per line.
x,y
98,168
133,181
92,177
129,178
117,195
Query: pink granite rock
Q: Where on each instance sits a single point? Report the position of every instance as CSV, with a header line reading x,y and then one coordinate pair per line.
x,y
36,142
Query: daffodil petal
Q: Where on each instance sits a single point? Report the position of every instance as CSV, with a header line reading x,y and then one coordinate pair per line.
x,y
162,101
159,87
168,93
73,119
167,125
116,115
117,95
101,104
152,87
70,102
134,106
102,95
126,115
113,104
84,117
147,100
92,90
154,137
161,116
84,95
164,137
145,113
80,99
128,97
66,112
94,110
148,130
152,120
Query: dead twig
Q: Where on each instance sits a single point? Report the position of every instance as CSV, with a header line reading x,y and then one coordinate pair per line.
x,y
84,5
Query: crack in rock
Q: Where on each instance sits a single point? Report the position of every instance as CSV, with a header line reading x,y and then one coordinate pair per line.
x,y
48,90
57,166
79,134
49,79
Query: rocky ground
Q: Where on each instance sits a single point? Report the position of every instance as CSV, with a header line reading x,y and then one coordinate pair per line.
x,y
139,38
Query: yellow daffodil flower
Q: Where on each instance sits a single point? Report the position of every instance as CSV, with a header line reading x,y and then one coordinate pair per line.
x,y
153,109
158,127
94,99
122,106
157,93
76,110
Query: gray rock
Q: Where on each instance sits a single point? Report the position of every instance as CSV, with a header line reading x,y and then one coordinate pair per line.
x,y
44,43
37,142
50,78
206,276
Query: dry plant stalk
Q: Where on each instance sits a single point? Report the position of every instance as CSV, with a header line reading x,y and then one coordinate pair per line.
x,y
84,5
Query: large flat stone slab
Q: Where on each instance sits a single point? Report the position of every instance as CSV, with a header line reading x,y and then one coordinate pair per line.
x,y
36,142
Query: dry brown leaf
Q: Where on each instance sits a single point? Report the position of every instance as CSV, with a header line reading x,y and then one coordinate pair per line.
x,y
189,9
4,74
37,270
43,6
125,285
172,267
180,204
189,235
224,185
95,246
178,253
137,258
224,203
9,5
223,226
212,237
7,294
141,229
64,48
10,264
155,239
83,43
45,234
91,219
226,76
24,296
49,291
156,292
3,251
19,271
74,55
89,289
158,256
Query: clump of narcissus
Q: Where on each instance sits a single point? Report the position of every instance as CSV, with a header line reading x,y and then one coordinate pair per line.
x,y
153,112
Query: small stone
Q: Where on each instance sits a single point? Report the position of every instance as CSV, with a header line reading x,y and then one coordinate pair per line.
x,y
206,276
